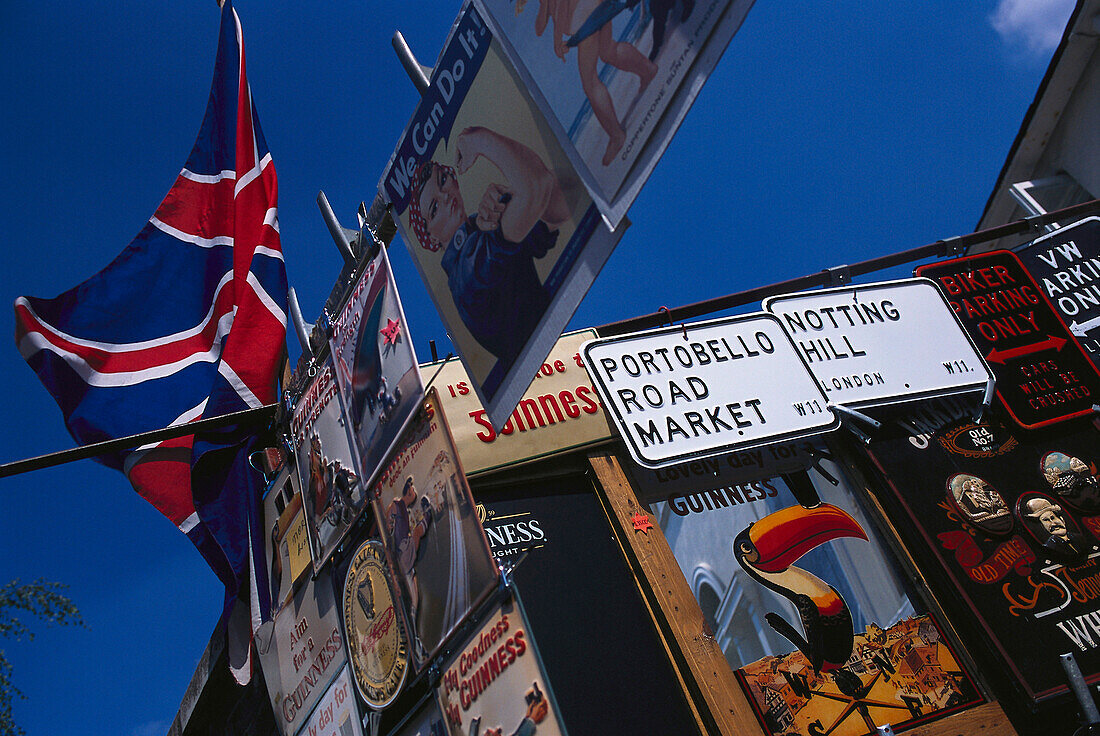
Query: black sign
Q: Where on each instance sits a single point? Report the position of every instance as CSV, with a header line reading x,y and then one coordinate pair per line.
x,y
598,643
1066,263
1005,528
1043,374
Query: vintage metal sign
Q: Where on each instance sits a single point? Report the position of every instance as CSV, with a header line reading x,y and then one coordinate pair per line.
x,y
558,413
286,542
1043,374
437,547
376,366
881,343
615,112
695,391
379,649
333,494
739,474
495,683
1066,263
301,652
499,226
335,714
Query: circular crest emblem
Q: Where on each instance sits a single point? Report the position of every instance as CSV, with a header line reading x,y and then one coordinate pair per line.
x,y
378,649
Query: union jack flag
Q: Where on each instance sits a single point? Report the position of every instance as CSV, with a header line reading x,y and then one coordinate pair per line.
x,y
189,321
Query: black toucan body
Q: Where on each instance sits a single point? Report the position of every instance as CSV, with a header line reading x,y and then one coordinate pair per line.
x,y
767,550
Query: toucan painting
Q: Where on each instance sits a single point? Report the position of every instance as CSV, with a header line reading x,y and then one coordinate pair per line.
x,y
767,550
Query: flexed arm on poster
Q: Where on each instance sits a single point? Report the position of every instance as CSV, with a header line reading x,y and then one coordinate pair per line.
x,y
532,192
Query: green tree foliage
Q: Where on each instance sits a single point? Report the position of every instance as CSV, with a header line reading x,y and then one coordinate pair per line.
x,y
39,599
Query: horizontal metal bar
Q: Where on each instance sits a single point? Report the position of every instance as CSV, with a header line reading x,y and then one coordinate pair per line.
x,y
258,416
822,278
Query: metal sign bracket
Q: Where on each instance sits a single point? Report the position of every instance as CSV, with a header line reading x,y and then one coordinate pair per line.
x,y
851,420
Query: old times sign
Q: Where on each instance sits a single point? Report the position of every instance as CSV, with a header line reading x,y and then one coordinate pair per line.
x,y
859,342
1043,375
681,393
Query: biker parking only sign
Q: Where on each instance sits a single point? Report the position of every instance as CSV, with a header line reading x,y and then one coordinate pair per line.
x,y
687,392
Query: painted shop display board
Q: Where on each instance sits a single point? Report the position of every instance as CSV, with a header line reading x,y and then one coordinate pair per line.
x,y
881,343
559,412
1006,523
494,683
502,231
376,366
1066,263
810,609
1043,374
435,543
333,494
695,391
615,79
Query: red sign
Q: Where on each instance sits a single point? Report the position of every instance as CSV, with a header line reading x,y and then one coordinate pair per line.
x,y
1043,374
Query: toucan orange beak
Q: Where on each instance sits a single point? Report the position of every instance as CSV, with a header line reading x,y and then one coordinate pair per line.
x,y
784,536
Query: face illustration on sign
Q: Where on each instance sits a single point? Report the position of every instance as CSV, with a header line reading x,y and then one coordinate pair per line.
x,y
980,503
494,216
1073,480
1053,528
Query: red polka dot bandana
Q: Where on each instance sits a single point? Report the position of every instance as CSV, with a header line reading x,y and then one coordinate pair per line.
x,y
416,219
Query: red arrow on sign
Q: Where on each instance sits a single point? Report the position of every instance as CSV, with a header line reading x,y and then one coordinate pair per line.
x,y
1000,356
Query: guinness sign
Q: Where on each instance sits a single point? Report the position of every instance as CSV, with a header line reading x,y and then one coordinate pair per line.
x,y
377,646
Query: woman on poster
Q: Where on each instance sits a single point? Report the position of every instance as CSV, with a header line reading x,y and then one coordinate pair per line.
x,y
489,255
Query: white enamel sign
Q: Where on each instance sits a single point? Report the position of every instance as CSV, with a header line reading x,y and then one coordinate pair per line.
x,y
681,393
881,343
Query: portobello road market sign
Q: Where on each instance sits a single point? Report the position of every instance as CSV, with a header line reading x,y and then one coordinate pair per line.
x,y
688,392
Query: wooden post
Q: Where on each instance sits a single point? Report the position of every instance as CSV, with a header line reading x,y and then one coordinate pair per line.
x,y
708,676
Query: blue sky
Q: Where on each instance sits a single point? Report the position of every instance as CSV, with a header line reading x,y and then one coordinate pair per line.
x,y
829,133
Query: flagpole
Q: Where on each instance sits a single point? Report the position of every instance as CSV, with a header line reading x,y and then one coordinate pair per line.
x,y
257,416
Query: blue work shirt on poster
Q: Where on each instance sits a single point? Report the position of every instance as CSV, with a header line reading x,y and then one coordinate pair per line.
x,y
495,286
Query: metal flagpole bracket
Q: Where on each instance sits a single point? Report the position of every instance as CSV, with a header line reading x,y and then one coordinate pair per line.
x,y
851,419
1080,689
378,219
343,237
418,73
838,276
300,328
817,456
987,399
1036,223
435,375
